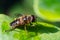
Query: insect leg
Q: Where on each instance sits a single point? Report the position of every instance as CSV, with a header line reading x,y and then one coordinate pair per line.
x,y
25,28
32,25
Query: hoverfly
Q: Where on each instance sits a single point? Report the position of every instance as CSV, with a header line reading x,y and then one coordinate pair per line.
x,y
22,20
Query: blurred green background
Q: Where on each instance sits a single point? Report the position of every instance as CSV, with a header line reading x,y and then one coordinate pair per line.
x,y
47,26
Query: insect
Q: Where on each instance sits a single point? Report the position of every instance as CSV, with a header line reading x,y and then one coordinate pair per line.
x,y
22,20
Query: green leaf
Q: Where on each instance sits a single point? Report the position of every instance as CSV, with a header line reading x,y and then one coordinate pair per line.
x,y
47,9
17,34
41,31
